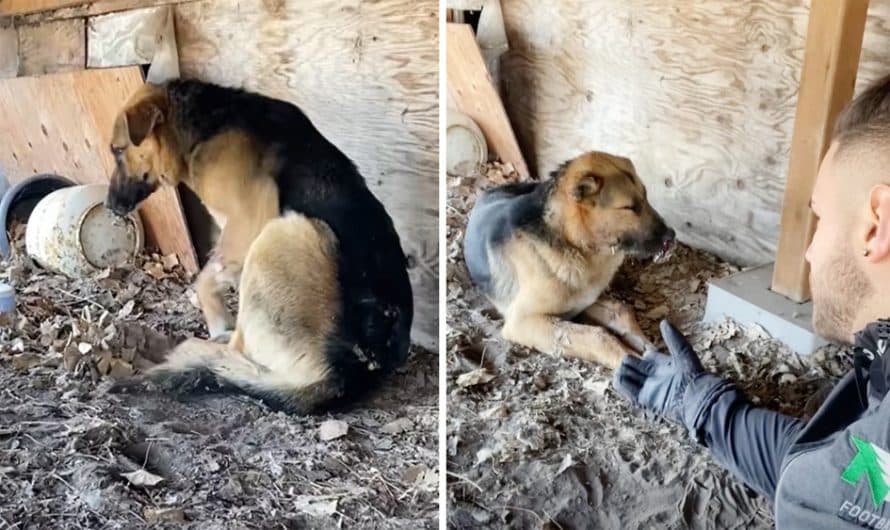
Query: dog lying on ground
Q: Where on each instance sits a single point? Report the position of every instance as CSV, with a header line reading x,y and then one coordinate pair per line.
x,y
325,304
544,252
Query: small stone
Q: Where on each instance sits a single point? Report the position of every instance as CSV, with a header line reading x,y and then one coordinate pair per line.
x,y
332,429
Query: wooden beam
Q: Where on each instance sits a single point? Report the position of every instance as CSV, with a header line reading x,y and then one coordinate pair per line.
x,y
62,124
22,7
98,7
471,89
831,61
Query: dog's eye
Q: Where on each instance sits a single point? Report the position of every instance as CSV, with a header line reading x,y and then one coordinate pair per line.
x,y
635,208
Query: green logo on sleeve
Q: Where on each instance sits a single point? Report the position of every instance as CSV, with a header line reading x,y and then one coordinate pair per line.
x,y
872,462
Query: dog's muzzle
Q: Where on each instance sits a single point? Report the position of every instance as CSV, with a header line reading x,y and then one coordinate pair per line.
x,y
125,194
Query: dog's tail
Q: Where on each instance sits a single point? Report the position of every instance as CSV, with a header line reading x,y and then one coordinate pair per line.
x,y
198,366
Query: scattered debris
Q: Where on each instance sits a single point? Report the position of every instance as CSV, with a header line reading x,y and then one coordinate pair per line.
x,y
397,426
332,429
315,506
478,376
547,444
66,444
141,477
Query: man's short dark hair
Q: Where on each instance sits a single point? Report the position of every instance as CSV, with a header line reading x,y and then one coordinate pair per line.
x,y
867,118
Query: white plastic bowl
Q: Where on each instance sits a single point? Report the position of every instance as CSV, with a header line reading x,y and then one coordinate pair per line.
x,y
70,231
466,148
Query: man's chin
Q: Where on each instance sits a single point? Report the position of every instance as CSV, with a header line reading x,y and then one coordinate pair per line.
x,y
830,329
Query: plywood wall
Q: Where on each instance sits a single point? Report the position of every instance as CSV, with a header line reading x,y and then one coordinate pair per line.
x,y
700,94
364,71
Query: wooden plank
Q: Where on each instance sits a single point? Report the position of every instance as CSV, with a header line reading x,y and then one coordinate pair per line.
x,y
124,38
62,124
52,47
22,7
834,42
471,89
99,7
9,48
366,74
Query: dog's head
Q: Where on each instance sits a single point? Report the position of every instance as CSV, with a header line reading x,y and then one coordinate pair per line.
x,y
143,160
604,206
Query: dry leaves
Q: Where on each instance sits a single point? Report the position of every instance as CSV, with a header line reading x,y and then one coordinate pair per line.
x,y
478,376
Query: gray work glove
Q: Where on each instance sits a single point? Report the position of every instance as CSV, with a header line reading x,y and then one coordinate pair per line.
x,y
658,382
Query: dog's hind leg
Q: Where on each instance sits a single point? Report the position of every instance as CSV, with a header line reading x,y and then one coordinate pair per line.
x,y
563,338
620,320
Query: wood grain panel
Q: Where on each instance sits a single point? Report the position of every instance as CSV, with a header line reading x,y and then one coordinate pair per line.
x,y
124,38
366,73
9,48
53,47
62,124
701,95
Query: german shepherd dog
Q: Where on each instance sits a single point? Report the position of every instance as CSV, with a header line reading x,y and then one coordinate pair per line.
x,y
544,252
325,304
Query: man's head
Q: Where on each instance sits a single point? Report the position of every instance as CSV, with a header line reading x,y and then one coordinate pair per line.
x,y
850,252
143,158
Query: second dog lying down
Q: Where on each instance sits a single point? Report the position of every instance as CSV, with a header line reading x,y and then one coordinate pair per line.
x,y
543,253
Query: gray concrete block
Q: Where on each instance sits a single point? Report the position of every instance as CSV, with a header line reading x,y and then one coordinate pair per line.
x,y
746,298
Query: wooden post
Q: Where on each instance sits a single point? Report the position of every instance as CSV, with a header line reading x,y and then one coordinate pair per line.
x,y
470,88
831,60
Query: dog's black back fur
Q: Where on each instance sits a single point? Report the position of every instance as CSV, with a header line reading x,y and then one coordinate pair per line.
x,y
317,180
497,215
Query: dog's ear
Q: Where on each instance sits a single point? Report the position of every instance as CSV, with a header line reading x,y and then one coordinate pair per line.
x,y
138,121
588,185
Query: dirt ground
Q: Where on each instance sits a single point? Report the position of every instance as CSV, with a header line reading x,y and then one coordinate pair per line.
x,y
74,456
539,442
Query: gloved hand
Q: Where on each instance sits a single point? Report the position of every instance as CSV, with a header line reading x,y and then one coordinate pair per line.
x,y
658,382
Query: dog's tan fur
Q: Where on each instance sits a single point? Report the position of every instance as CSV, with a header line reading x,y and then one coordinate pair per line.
x,y
289,275
547,282
233,181
286,265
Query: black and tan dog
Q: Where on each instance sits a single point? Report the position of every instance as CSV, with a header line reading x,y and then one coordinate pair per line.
x,y
325,304
544,252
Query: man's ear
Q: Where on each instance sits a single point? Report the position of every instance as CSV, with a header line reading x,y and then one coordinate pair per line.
x,y
877,240
141,119
588,185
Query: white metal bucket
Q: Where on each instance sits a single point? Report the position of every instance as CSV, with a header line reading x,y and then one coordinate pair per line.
x,y
70,231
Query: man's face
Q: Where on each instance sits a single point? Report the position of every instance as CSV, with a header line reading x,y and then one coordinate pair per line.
x,y
838,284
